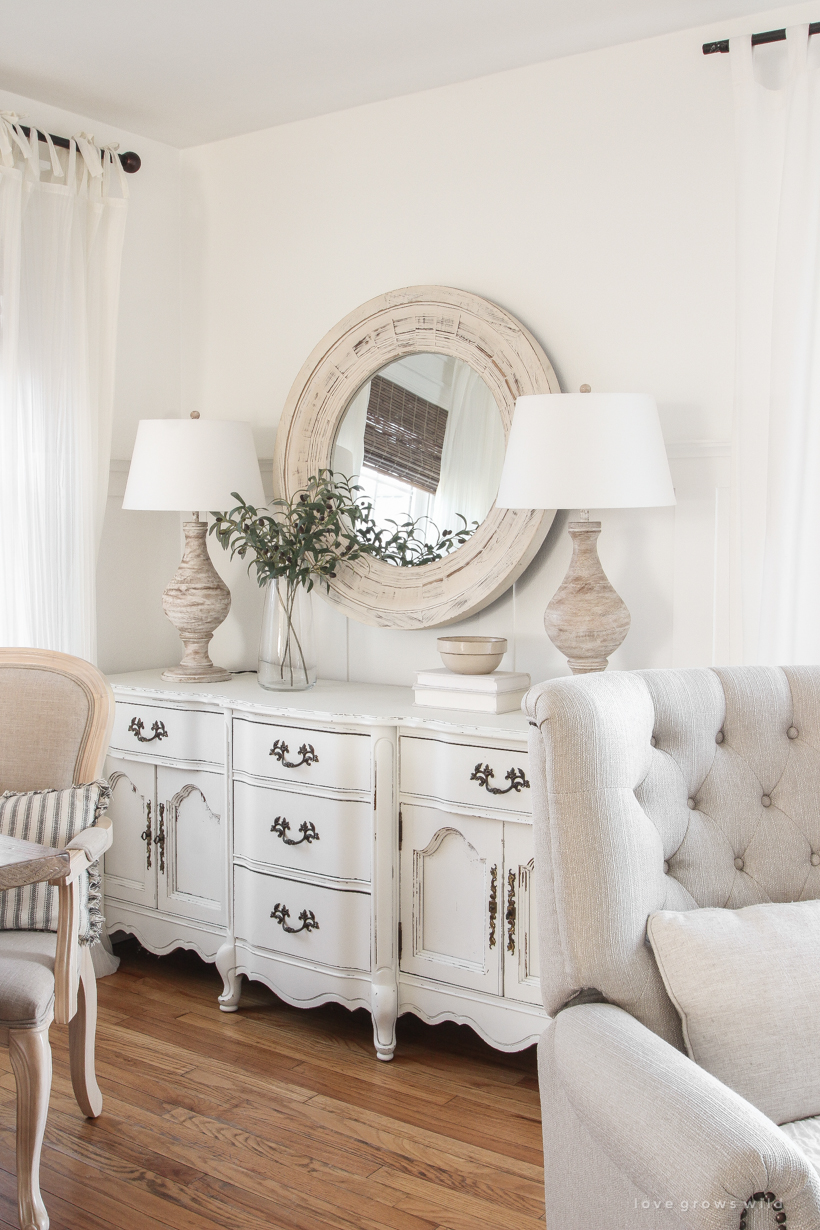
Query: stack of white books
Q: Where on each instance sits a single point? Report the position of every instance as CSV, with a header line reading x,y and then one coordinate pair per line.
x,y
500,692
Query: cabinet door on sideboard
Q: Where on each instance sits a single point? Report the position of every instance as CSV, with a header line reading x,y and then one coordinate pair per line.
x,y
451,894
130,864
521,979
191,872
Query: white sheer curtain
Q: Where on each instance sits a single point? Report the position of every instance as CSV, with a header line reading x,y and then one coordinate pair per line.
x,y
61,233
776,444
472,455
350,440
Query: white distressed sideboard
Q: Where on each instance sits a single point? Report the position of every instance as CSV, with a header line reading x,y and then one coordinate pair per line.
x,y
336,844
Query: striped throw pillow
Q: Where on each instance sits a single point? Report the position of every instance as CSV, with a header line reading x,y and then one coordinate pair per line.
x,y
52,818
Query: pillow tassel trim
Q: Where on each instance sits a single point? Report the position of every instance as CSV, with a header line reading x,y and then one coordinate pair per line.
x,y
95,913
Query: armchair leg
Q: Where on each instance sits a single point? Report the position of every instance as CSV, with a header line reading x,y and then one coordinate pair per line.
x,y
82,1029
30,1055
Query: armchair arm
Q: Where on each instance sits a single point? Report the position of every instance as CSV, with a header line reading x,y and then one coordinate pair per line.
x,y
84,849
89,845
673,1128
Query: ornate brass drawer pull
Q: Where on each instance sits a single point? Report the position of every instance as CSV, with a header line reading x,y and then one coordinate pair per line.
x,y
147,836
307,918
307,828
280,750
483,773
510,915
159,840
493,902
137,726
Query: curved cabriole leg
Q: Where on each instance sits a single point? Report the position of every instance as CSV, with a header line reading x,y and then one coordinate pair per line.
x,y
82,1029
226,964
384,1001
30,1056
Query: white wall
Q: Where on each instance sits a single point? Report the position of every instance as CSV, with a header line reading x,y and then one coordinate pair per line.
x,y
592,197
139,551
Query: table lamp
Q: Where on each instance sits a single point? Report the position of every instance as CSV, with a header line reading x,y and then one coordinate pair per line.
x,y
585,450
181,464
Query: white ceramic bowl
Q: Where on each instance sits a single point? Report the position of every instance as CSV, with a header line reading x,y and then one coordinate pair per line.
x,y
472,655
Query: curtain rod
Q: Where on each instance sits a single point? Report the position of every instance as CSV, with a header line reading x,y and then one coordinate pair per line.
x,y
768,36
131,162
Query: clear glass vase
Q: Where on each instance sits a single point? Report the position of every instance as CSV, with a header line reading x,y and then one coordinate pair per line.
x,y
287,656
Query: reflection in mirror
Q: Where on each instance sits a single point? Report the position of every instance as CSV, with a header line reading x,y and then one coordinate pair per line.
x,y
426,439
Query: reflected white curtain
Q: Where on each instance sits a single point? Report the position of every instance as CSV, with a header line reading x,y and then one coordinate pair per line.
x,y
472,455
61,235
350,440
776,440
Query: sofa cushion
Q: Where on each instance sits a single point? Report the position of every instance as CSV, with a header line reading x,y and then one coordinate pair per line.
x,y
26,978
52,818
746,984
805,1133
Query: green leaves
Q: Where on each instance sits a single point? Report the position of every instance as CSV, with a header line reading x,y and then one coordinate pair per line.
x,y
406,548
324,524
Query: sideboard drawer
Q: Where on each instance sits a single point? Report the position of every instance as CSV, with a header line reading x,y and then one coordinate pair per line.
x,y
340,937
287,754
327,837
484,777
165,733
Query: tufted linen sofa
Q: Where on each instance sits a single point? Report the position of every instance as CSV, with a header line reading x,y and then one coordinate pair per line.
x,y
652,790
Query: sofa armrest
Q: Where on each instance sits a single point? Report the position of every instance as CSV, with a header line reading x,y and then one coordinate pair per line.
x,y
682,1137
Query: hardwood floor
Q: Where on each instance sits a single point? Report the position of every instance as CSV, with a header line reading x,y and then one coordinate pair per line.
x,y
279,1117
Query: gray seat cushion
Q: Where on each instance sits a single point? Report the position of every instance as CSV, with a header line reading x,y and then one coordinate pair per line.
x,y
26,978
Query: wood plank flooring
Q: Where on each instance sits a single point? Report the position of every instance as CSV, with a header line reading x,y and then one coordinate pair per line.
x,y
279,1117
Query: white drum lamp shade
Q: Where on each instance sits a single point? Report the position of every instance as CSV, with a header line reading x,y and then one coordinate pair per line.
x,y
194,464
586,450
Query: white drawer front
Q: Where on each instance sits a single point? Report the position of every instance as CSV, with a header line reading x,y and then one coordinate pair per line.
x,y
327,837
286,754
341,938
472,775
165,733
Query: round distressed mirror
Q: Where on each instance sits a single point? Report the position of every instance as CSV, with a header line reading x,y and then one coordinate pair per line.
x,y
414,393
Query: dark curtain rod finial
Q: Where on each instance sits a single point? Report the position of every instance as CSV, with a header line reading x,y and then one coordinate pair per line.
x,y
131,162
768,36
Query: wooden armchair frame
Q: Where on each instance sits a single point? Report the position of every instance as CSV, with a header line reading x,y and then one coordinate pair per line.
x,y
75,987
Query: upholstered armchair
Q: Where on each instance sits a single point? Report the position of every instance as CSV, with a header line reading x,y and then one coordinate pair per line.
x,y
56,714
663,790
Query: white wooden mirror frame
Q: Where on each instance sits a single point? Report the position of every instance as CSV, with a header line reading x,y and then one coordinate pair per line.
x,y
417,319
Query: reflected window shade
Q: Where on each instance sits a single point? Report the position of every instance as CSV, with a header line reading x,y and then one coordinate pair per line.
x,y
404,435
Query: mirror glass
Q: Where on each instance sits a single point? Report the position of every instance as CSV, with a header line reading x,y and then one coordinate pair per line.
x,y
425,438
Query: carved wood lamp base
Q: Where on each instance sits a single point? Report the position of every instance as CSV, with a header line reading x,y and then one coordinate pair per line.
x,y
217,674
586,619
196,601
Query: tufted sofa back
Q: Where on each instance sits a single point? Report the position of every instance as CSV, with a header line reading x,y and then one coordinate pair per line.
x,y
666,789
